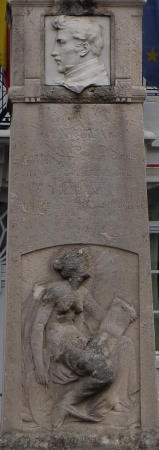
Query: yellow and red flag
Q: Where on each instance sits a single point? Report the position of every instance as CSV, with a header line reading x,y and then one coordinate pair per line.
x,y
3,35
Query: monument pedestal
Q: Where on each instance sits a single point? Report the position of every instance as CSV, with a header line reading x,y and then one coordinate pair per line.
x,y
79,350
137,441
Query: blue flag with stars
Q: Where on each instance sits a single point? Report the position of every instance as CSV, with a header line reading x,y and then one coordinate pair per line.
x,y
151,43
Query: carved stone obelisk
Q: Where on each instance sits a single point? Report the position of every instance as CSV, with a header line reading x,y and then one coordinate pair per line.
x,y
79,345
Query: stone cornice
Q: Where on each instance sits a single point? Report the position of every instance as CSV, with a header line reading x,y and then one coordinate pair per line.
x,y
83,4
94,95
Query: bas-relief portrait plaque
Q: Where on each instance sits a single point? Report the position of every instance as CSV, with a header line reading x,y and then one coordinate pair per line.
x,y
77,51
80,338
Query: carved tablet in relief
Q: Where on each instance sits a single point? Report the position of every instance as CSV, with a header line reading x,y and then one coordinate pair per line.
x,y
77,358
77,51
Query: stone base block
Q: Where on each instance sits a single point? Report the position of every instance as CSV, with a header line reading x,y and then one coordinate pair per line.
x,y
134,440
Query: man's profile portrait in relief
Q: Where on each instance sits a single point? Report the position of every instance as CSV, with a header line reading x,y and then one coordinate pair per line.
x,y
78,46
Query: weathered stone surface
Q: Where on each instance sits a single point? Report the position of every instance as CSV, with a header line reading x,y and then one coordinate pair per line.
x,y
136,440
89,340
124,56
79,353
67,197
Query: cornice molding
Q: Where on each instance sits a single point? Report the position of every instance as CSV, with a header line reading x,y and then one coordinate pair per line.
x,y
82,4
94,95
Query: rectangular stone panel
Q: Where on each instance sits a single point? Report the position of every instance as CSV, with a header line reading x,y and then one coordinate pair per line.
x,y
78,188
95,324
77,51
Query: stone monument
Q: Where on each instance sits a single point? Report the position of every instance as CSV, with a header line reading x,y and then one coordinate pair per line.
x,y
79,345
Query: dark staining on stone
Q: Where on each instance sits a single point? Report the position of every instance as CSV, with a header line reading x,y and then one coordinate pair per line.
x,y
88,4
77,7
77,108
92,94
66,6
